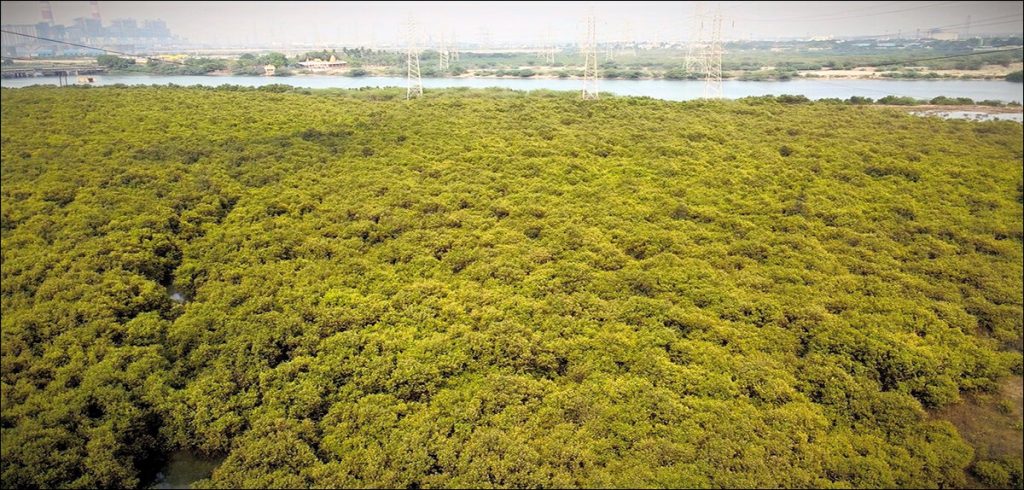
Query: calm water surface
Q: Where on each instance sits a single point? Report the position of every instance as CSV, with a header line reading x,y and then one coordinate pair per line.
x,y
658,89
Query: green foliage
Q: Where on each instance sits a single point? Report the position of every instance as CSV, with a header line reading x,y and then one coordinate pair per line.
x,y
916,75
523,73
322,55
792,99
627,74
899,100
193,66
992,103
744,60
680,73
250,64
1000,473
943,100
1017,76
774,74
114,62
615,293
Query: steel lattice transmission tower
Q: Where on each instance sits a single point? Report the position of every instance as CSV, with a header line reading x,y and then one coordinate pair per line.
x,y
443,56
694,61
414,83
713,60
590,60
548,49
454,56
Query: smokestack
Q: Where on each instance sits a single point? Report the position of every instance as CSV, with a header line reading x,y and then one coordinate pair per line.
x,y
95,9
47,12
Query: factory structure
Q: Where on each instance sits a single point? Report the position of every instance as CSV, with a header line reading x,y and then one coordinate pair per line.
x,y
121,34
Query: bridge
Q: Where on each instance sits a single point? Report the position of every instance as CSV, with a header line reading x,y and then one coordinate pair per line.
x,y
50,71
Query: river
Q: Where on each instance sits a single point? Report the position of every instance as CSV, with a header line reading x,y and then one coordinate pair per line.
x,y
659,89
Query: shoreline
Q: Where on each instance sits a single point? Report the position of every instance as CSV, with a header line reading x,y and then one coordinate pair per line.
x,y
548,76
641,79
982,92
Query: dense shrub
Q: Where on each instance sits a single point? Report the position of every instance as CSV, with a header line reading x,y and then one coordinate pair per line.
x,y
493,288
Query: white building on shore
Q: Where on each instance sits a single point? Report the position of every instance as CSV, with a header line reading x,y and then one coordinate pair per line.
x,y
318,64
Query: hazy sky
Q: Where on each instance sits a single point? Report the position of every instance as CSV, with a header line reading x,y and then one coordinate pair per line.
x,y
513,22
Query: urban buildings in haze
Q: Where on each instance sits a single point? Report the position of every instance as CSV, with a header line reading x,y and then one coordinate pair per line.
x,y
120,34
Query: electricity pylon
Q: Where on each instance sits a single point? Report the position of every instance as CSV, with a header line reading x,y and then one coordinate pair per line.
x,y
548,48
694,48
713,60
455,48
414,84
590,61
443,56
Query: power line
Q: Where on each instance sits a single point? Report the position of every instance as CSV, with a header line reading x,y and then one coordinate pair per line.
x,y
977,53
991,20
983,23
697,16
88,47
1010,20
845,16
844,12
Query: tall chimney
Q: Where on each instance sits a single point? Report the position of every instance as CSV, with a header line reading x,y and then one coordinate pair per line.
x,y
95,9
47,12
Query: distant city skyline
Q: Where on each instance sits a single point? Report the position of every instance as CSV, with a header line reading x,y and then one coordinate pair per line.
x,y
382,23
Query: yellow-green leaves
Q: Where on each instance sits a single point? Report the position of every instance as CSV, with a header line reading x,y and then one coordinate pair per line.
x,y
509,290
